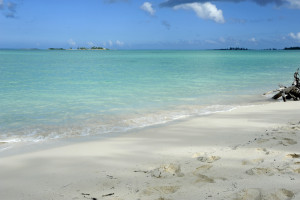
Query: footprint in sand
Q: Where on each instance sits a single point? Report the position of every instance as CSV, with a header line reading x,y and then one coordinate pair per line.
x,y
204,179
292,127
161,190
253,162
203,168
202,157
209,159
297,171
235,147
261,140
163,198
263,150
199,173
287,141
262,171
258,194
282,194
282,141
247,194
165,171
293,155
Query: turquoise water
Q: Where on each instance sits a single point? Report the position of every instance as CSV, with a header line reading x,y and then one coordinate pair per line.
x,y
58,94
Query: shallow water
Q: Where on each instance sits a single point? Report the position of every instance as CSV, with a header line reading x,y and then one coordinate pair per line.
x,y
58,94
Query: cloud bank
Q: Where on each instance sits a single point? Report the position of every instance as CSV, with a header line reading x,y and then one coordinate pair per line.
x,y
292,3
204,10
8,8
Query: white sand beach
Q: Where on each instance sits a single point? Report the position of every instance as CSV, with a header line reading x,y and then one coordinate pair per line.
x,y
248,153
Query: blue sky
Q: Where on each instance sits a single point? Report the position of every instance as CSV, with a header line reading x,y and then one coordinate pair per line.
x,y
151,24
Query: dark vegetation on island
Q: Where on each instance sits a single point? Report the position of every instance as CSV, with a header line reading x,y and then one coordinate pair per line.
x,y
81,48
92,48
269,49
234,49
291,48
56,49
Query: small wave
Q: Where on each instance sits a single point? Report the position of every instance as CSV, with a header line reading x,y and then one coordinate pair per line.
x,y
117,124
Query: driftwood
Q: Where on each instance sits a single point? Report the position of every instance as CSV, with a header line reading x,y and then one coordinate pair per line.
x,y
292,92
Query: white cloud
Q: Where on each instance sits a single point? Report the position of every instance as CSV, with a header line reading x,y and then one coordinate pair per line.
x,y
294,3
111,43
253,39
8,8
148,8
295,36
119,43
72,42
1,4
204,10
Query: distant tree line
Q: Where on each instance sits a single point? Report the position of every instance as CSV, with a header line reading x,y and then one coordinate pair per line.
x,y
286,48
291,48
273,49
99,48
56,49
234,48
92,48
81,48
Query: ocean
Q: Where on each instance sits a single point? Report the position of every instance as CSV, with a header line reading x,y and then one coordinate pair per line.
x,y
54,94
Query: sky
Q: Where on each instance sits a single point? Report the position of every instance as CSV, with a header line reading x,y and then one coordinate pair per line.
x,y
151,24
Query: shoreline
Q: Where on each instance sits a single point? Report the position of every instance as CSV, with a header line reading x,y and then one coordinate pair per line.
x,y
246,153
124,126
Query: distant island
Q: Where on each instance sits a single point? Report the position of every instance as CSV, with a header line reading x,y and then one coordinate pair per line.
x,y
92,48
224,49
234,49
81,48
56,49
291,48
269,49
